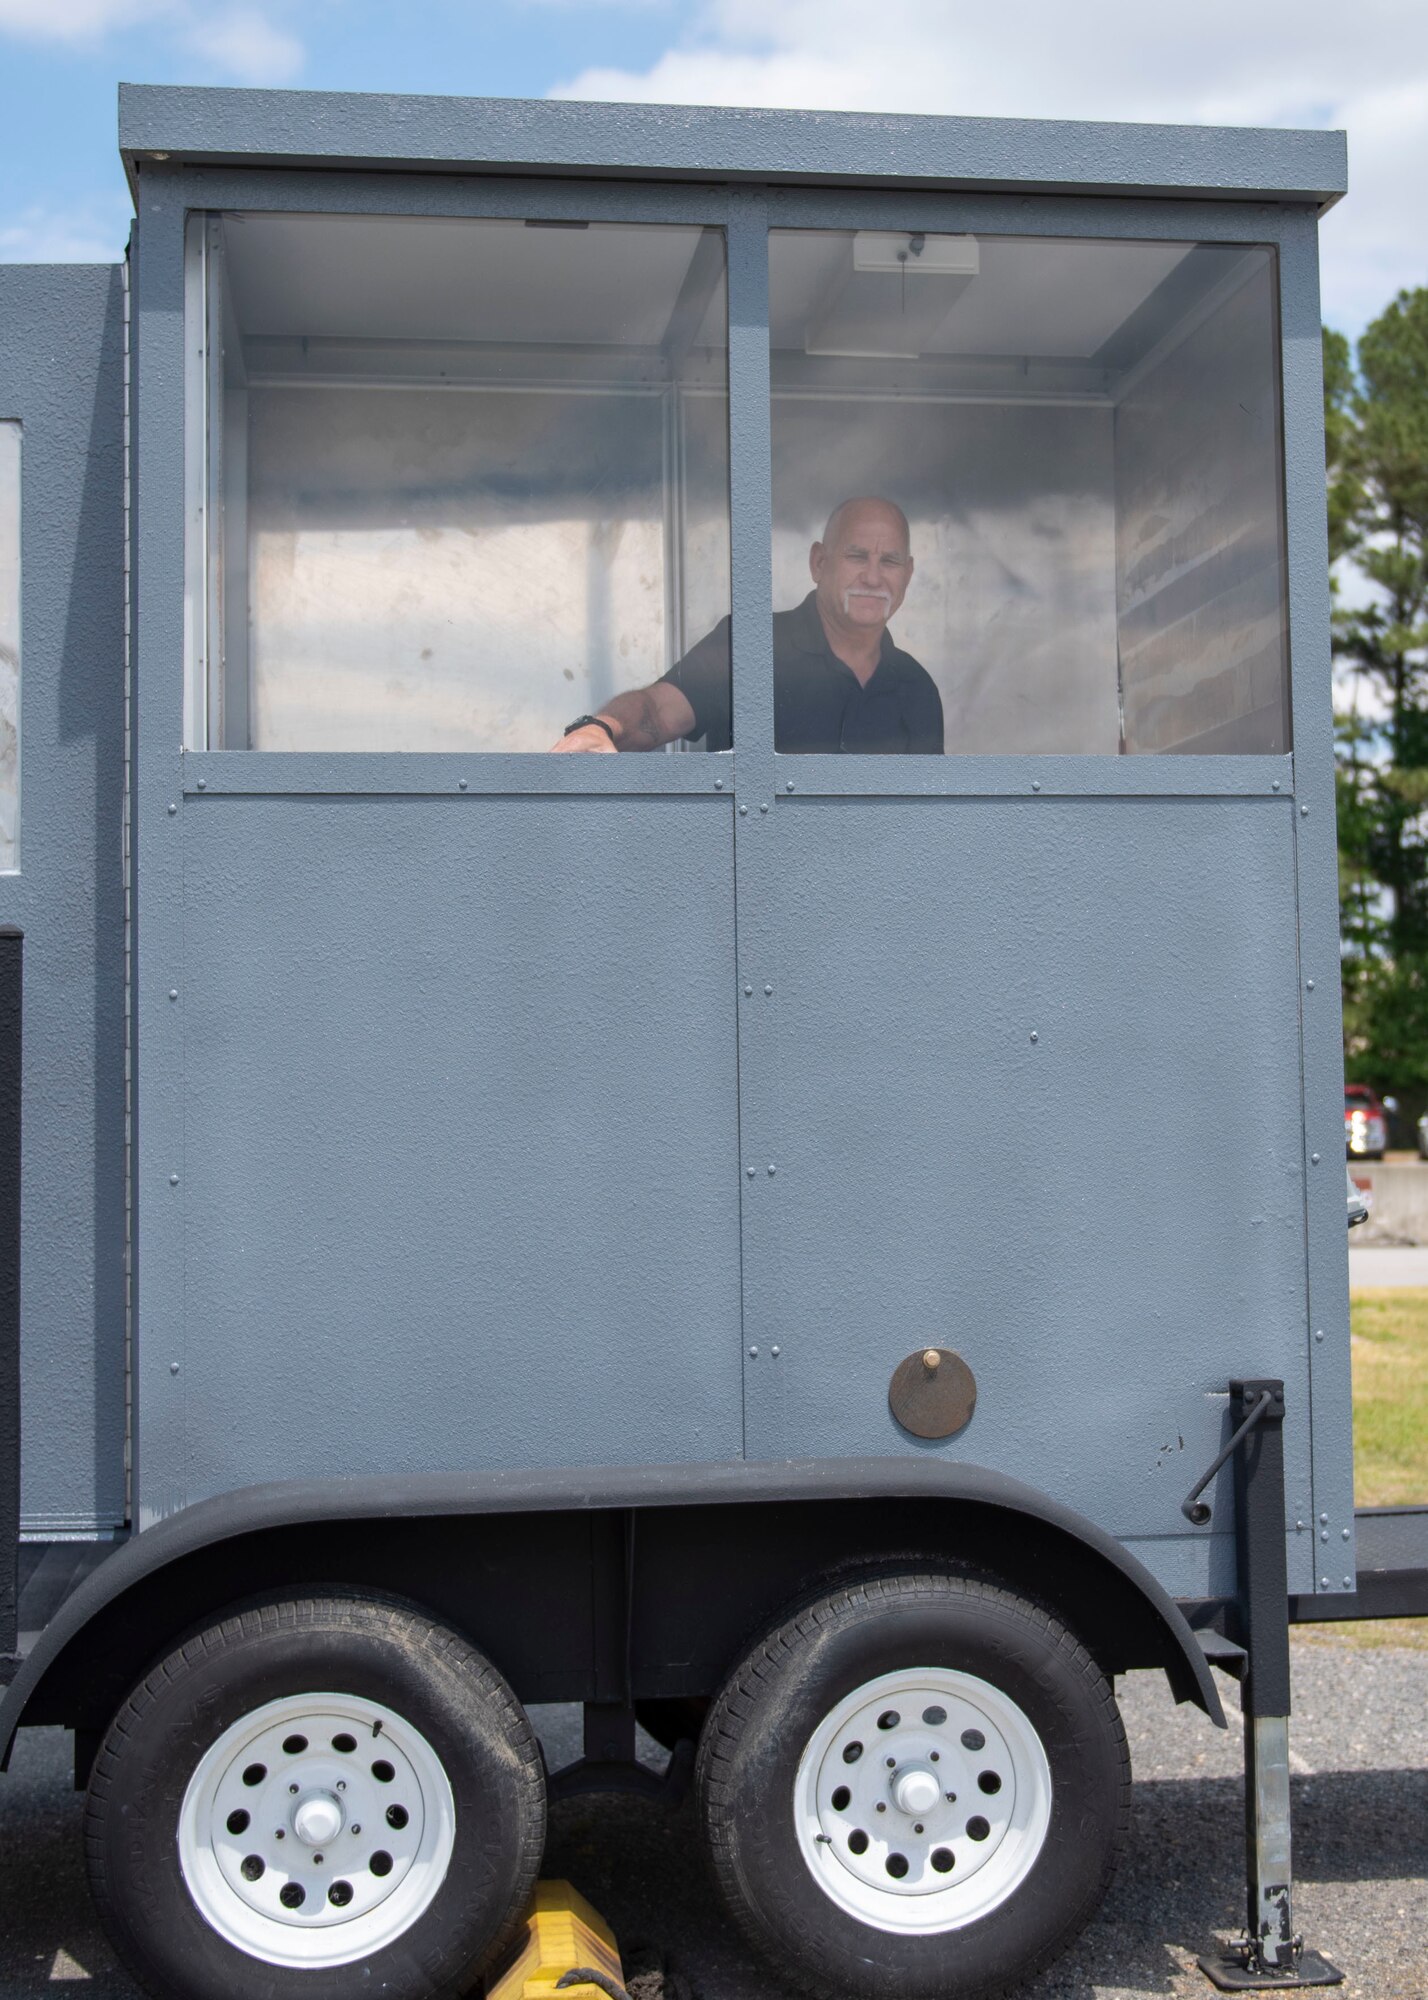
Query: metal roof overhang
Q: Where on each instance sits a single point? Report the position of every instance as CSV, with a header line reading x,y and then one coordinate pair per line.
x,y
367,131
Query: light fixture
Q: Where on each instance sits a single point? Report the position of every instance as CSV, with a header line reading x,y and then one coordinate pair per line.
x,y
888,299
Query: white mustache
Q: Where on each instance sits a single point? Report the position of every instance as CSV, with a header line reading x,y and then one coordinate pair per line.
x,y
883,597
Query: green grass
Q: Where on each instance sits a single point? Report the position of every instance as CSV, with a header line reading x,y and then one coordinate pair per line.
x,y
1390,1361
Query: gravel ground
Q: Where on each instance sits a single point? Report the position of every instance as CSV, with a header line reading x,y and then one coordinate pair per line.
x,y
1360,1751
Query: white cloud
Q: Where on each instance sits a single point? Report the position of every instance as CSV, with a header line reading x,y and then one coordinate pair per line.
x,y
1275,62
245,45
92,234
75,20
238,42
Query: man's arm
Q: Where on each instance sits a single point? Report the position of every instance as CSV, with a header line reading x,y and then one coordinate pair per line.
x,y
644,719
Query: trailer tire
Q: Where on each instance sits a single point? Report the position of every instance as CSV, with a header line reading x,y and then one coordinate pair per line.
x,y
839,1844
241,1775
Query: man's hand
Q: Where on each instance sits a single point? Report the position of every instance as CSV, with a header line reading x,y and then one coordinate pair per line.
x,y
643,719
589,737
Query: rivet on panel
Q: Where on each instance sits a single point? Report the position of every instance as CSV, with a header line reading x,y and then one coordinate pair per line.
x,y
768,989
203,784
743,812
173,993
1274,786
1036,784
1323,1520
1348,1583
1300,1526
763,809
718,784
172,808
1313,1159
1309,986
1034,1036
775,1350
754,1353
173,1368
750,1172
1304,812
1318,1333
789,786
461,784
1345,1533
1323,1534
772,1169
173,1180
1323,1583
747,991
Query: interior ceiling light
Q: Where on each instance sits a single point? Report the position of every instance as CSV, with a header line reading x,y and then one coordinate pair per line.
x,y
890,297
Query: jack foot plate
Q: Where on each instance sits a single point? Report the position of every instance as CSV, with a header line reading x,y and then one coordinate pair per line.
x,y
1231,1974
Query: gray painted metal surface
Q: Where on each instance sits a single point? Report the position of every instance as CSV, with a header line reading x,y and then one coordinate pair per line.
x,y
61,377
286,128
1331,1526
396,1023
1070,1013
459,1112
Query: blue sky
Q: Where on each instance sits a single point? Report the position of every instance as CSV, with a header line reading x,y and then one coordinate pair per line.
x,y
1272,62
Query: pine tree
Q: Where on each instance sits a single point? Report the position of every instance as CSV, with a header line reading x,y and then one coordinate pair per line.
x,y
1377,472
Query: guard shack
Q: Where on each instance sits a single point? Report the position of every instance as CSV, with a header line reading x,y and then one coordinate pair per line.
x,y
760,1234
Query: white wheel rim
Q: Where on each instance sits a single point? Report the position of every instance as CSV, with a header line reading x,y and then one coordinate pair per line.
x,y
327,1794
874,1819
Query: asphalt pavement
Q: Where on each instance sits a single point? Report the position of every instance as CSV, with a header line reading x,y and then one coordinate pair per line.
x,y
1360,1758
1387,1266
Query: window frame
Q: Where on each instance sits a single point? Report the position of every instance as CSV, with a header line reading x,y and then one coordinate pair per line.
x,y
746,214
14,427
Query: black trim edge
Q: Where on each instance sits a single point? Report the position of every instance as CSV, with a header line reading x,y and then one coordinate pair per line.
x,y
292,1503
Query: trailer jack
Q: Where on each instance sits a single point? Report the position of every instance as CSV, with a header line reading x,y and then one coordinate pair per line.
x,y
1271,1956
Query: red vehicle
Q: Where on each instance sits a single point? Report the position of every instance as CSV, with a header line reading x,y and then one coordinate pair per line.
x,y
1365,1122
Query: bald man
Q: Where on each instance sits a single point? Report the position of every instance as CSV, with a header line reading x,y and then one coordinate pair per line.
x,y
839,681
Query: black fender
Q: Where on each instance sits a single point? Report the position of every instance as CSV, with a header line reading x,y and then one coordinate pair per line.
x,y
960,1510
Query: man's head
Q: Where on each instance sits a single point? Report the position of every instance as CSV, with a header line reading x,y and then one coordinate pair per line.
x,y
862,566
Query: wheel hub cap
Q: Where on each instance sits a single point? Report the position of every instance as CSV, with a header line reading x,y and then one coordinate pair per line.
x,y
318,1819
916,1790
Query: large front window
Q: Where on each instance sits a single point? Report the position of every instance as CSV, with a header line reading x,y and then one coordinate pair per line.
x,y
1083,436
452,483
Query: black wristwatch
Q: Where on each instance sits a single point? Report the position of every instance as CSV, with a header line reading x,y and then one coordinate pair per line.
x,y
583,721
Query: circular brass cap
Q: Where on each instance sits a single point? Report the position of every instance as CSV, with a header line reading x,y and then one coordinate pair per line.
x,y
933,1393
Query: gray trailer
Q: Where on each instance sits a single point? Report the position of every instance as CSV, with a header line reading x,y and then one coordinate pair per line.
x,y
830,1246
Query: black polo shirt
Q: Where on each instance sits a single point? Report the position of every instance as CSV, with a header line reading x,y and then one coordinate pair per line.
x,y
819,703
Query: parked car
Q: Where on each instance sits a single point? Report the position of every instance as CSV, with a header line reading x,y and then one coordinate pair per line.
x,y
1365,1123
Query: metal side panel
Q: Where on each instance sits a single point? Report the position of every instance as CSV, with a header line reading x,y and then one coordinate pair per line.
x,y
1039,1104
61,381
459,1185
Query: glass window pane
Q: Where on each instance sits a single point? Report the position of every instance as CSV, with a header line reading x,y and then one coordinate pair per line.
x,y
1083,437
472,476
9,645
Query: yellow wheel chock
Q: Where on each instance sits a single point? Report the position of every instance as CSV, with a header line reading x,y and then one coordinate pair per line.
x,y
562,1935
